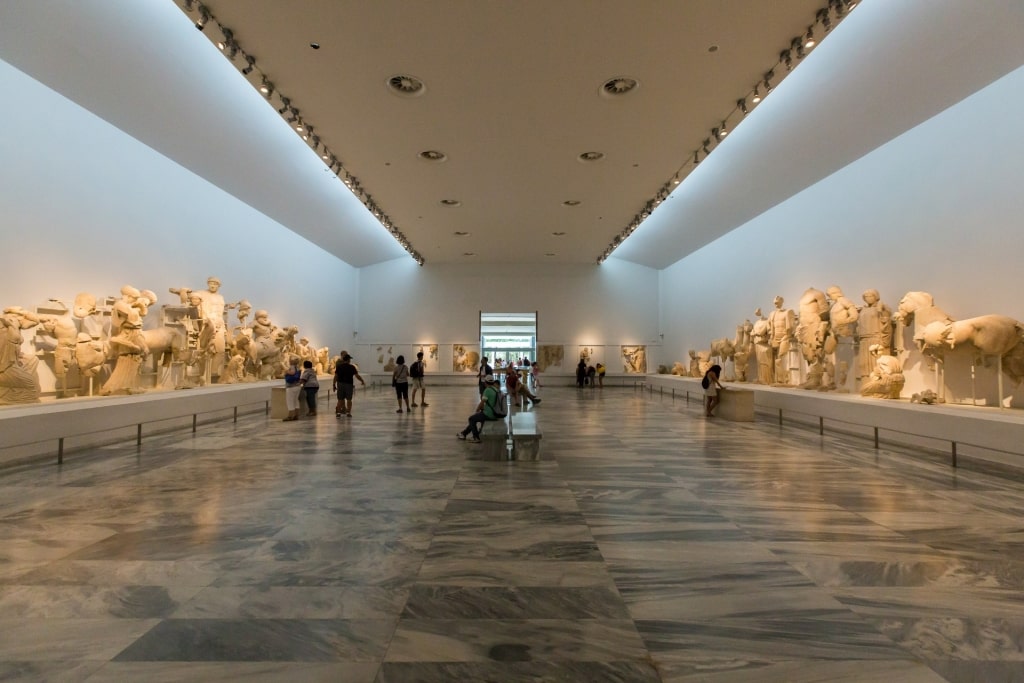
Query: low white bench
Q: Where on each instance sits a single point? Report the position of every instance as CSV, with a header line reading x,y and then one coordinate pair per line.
x,y
526,436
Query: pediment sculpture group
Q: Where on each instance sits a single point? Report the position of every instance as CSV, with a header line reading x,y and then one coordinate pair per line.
x,y
107,347
805,348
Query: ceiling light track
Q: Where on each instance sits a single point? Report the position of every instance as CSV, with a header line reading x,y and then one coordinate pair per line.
x,y
797,47
251,70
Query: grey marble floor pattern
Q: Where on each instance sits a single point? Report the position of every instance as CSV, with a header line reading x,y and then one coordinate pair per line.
x,y
648,544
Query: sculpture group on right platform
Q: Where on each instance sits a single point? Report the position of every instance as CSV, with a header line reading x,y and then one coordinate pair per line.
x,y
817,346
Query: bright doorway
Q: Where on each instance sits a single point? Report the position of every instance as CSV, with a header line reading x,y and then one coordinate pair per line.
x,y
508,337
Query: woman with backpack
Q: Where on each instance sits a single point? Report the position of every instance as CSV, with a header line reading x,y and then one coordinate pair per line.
x,y
416,375
711,387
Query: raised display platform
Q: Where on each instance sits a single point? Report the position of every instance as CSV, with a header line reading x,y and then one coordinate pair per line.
x,y
48,428
990,434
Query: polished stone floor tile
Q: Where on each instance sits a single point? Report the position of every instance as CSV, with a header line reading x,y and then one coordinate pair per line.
x,y
273,640
648,545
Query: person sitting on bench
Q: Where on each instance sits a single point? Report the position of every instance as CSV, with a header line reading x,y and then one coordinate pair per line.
x,y
516,387
490,407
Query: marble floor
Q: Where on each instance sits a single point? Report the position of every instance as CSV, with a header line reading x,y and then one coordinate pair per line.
x,y
648,544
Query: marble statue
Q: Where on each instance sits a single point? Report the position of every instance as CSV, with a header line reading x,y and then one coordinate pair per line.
x,y
634,359
693,369
130,347
812,333
213,312
125,312
760,336
842,314
743,348
781,328
874,326
19,380
62,329
678,369
886,379
990,335
90,356
89,318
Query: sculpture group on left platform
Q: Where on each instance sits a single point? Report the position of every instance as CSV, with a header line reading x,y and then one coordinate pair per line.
x,y
117,346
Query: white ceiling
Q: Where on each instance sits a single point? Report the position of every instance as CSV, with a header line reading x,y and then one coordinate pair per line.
x,y
512,97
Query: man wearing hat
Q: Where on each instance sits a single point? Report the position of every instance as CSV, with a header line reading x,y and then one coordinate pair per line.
x,y
345,374
489,408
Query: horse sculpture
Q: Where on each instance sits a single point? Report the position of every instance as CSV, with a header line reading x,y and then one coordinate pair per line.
x,y
990,335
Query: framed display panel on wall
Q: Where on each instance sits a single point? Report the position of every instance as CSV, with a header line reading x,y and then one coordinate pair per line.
x,y
465,357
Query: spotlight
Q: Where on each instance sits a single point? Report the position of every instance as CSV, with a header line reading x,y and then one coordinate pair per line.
x,y
229,37
767,82
285,103
757,94
189,5
706,147
717,133
267,88
293,115
723,131
204,17
250,64
809,40
696,158
797,44
786,57
742,104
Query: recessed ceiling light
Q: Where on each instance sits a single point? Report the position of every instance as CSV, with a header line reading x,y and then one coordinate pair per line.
x,y
433,155
587,157
571,202
558,234
620,85
713,48
550,254
468,253
450,202
315,46
406,85
460,233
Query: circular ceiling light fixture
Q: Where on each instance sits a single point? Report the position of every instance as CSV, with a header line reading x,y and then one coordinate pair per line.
x,y
433,155
571,202
406,85
468,253
450,202
588,157
712,48
550,253
620,85
460,233
558,234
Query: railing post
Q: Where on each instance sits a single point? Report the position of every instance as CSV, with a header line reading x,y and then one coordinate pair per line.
x,y
954,453
780,417
236,414
138,435
821,426
876,438
60,451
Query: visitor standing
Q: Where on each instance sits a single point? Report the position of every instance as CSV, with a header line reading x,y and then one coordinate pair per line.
x,y
345,375
400,381
416,374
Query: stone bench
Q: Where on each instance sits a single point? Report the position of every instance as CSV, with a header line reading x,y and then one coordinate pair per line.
x,y
494,440
526,436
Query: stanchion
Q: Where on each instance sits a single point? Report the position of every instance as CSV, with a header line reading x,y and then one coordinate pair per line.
x,y
60,450
193,424
821,426
876,438
954,453
236,414
138,435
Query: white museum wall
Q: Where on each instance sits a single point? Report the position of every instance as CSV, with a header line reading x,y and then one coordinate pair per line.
x,y
937,209
87,208
611,304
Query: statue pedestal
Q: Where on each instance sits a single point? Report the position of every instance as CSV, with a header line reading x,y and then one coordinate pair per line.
x,y
736,405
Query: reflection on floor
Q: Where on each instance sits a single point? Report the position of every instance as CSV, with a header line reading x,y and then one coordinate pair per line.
x,y
649,544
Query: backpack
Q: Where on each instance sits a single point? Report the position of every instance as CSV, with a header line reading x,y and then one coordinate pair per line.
x,y
416,369
499,407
